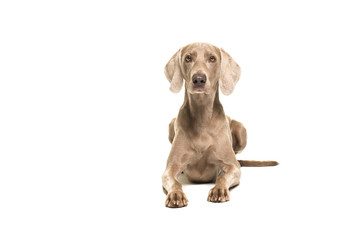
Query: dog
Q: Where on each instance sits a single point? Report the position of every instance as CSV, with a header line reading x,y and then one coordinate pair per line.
x,y
204,140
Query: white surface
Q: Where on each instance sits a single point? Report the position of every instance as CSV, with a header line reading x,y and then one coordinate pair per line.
x,y
85,107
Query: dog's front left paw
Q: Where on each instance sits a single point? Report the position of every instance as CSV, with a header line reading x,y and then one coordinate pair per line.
x,y
219,194
176,199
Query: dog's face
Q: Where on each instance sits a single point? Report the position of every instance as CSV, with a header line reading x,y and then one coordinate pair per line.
x,y
200,67
203,67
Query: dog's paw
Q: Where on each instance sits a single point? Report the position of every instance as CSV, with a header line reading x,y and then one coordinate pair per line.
x,y
176,199
219,194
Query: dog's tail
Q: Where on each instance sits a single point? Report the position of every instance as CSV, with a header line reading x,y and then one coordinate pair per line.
x,y
251,163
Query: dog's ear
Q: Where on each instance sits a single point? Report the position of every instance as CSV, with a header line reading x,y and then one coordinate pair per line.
x,y
173,72
229,74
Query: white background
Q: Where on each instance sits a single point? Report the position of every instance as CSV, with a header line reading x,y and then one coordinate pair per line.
x,y
85,107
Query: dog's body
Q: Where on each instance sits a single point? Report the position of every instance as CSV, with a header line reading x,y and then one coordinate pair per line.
x,y
204,140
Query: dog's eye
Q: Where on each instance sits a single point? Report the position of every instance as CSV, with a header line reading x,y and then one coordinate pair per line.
x,y
212,59
188,58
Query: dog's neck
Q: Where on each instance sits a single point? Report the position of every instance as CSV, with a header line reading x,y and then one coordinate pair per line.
x,y
202,108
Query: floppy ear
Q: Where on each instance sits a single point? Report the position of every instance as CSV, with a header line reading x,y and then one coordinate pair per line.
x,y
173,72
229,74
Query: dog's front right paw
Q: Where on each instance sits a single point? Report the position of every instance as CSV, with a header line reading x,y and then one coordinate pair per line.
x,y
176,199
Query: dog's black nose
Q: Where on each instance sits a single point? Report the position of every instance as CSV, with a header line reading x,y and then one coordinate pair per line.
x,y
199,79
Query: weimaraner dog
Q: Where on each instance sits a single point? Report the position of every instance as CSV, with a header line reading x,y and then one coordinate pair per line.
x,y
204,140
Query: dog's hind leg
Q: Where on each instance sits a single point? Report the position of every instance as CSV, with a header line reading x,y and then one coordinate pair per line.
x,y
172,130
239,136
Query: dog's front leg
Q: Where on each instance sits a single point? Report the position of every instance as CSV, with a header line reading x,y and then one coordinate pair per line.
x,y
175,196
230,177
220,192
176,163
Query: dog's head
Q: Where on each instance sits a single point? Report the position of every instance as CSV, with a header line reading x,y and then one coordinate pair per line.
x,y
203,67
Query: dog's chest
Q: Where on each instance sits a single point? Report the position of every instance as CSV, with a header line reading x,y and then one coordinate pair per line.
x,y
200,143
209,138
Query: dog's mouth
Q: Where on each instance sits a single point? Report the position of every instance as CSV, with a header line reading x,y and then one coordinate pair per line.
x,y
198,90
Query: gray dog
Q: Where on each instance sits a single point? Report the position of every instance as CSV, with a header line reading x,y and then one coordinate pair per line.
x,y
204,140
